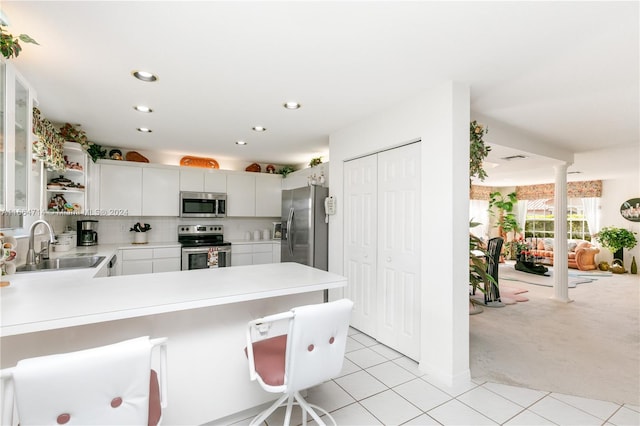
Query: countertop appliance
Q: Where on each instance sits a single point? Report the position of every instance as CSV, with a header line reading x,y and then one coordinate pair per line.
x,y
203,204
203,246
87,233
304,232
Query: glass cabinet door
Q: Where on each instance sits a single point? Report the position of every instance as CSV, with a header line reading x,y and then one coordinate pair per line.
x,y
22,141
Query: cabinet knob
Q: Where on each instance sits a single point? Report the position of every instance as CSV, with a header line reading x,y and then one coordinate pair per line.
x,y
388,259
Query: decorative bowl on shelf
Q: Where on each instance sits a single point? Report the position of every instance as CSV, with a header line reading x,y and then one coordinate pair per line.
x,y
208,163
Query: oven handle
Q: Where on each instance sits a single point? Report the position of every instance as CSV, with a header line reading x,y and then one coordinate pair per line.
x,y
195,250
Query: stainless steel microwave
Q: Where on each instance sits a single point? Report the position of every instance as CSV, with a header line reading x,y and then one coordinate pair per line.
x,y
203,204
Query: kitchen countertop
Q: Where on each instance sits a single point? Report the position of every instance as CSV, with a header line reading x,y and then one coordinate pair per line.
x,y
277,241
51,300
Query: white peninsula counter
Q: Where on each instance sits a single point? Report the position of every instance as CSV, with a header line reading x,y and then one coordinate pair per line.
x,y
203,313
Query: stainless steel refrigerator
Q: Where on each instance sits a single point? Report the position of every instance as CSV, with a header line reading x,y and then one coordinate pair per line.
x,y
304,229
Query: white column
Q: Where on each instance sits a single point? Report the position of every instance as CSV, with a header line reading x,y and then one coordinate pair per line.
x,y
560,247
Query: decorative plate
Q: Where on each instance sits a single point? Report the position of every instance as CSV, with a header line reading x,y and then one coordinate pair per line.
x,y
208,163
630,209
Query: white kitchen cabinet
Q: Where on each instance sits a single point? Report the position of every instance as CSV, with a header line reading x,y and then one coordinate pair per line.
x,y
254,194
17,99
160,188
268,195
382,246
241,194
253,253
120,190
276,247
202,180
150,260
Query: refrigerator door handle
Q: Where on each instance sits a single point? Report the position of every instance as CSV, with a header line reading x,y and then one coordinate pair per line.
x,y
290,231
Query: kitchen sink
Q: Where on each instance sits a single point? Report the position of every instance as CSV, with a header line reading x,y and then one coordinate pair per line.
x,y
62,264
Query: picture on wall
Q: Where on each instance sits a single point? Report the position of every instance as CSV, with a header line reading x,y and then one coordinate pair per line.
x,y
630,209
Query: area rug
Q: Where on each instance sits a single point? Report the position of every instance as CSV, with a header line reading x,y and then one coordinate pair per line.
x,y
508,296
509,273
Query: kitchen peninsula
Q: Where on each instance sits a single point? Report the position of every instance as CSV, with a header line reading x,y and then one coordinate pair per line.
x,y
203,313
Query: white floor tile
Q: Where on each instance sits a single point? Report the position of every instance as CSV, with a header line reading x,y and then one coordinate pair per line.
x,y
490,404
390,374
365,340
601,409
360,384
365,357
521,396
527,418
329,396
352,331
386,351
423,420
353,345
410,365
422,394
354,415
562,413
390,408
625,417
348,367
453,391
456,413
633,407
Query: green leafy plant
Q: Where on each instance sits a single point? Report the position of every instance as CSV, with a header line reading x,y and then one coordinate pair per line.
x,y
478,151
285,170
10,45
315,161
75,134
479,279
138,227
505,204
615,239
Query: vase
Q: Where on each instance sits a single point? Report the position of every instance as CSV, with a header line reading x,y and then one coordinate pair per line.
x,y
634,266
139,238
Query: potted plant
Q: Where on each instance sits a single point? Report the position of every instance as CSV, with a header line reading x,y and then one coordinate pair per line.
x,y
479,278
507,221
140,236
615,239
10,45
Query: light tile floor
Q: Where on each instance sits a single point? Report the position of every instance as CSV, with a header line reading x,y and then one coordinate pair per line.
x,y
379,386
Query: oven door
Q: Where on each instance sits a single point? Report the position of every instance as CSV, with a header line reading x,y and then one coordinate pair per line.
x,y
205,257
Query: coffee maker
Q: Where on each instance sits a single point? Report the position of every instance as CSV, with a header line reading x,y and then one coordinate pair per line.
x,y
87,234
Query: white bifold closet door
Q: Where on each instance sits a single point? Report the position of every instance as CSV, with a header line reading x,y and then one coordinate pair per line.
x,y
382,246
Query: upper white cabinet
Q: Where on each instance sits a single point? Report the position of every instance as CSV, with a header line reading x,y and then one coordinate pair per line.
x,y
241,194
16,106
202,180
268,195
160,188
253,194
120,190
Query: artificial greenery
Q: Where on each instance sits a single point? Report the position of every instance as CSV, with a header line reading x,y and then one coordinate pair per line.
x,y
315,161
615,239
285,170
10,45
75,134
478,151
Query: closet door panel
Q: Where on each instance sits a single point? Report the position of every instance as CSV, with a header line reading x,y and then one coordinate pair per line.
x,y
360,210
399,249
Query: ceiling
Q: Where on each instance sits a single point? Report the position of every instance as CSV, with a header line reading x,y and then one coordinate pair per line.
x,y
550,79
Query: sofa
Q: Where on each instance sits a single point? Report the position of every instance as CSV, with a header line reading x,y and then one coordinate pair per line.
x,y
581,253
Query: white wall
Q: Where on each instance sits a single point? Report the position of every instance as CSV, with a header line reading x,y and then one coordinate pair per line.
x,y
440,118
614,193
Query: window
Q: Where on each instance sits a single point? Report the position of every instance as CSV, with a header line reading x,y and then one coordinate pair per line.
x,y
540,220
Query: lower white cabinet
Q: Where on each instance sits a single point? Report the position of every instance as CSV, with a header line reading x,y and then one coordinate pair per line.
x,y
254,253
150,260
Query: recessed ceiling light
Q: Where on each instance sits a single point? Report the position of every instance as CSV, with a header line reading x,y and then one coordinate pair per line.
x,y
145,76
259,129
144,130
142,108
241,143
292,105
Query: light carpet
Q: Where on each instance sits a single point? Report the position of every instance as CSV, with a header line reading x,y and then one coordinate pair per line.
x,y
507,272
589,347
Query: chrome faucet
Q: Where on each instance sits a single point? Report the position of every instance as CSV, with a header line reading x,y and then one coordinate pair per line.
x,y
31,254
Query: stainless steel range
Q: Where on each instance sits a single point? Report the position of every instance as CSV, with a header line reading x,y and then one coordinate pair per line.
x,y
203,246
